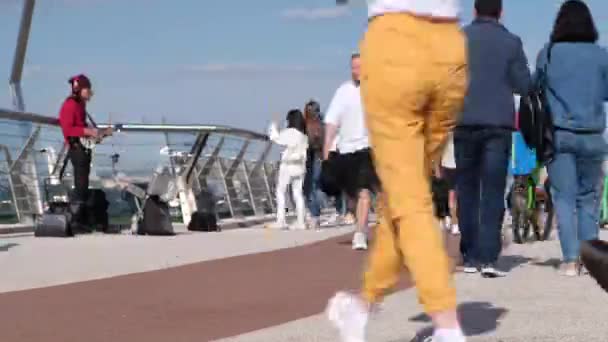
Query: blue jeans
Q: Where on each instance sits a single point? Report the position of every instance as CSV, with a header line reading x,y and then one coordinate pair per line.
x,y
314,196
482,158
575,173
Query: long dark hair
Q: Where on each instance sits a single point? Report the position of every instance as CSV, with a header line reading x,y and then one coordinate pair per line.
x,y
574,23
314,125
295,119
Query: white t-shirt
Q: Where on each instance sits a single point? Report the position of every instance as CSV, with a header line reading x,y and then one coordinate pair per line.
x,y
334,145
432,8
346,112
448,159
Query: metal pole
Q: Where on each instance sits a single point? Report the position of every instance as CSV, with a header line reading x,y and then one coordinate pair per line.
x,y
29,174
20,52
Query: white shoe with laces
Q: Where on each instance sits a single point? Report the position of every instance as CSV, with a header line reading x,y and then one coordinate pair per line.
x,y
349,314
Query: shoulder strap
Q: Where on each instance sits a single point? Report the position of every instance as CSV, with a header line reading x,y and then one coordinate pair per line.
x,y
546,81
93,123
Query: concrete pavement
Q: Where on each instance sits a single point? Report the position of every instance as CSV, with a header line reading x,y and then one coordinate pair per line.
x,y
532,304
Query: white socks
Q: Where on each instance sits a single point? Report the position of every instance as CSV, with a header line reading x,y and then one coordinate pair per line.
x,y
449,335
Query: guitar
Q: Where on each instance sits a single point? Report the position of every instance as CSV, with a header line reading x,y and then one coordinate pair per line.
x,y
91,142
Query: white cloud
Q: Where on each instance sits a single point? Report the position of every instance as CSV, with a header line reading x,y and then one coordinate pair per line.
x,y
317,13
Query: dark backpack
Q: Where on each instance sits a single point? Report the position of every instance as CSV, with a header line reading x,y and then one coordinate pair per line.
x,y
535,121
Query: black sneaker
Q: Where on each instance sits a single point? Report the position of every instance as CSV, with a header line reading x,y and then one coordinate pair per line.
x,y
490,271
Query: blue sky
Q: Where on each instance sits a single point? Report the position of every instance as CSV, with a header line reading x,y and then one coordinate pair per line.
x,y
208,61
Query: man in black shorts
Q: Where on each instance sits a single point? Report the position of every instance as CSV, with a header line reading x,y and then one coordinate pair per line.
x,y
345,118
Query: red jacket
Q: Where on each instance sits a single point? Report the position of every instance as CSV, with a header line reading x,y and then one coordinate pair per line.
x,y
72,118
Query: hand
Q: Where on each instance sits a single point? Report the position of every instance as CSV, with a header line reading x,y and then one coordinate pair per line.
x,y
91,132
106,132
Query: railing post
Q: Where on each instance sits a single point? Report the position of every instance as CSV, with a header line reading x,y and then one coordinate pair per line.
x,y
9,162
269,190
226,188
231,171
250,190
28,183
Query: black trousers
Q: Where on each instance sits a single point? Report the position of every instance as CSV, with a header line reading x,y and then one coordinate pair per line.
x,y
80,158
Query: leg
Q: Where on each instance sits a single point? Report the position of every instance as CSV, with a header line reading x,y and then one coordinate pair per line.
x,y
467,151
495,161
363,205
313,196
384,262
282,184
81,165
298,196
453,203
408,123
562,172
589,176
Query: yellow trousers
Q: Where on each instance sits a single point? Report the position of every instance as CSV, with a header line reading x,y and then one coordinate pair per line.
x,y
413,81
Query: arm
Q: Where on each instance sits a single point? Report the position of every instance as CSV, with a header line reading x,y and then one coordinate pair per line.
x,y
332,122
330,135
273,133
605,76
519,72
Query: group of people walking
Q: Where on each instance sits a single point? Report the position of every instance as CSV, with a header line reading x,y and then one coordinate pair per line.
x,y
423,78
337,144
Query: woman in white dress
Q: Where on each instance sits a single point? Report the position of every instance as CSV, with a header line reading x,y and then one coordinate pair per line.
x,y
293,166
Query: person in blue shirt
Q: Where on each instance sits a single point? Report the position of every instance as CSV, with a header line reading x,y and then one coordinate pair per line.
x,y
577,77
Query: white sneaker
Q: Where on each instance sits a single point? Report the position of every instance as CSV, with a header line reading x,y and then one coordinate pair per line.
x,y
277,226
298,226
314,224
331,221
489,271
349,220
349,315
359,242
455,229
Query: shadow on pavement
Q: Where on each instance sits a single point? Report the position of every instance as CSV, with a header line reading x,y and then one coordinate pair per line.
x,y
477,318
553,262
5,248
508,262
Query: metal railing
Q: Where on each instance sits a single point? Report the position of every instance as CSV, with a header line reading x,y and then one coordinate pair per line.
x,y
233,168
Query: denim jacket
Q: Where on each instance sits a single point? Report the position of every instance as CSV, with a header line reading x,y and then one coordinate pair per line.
x,y
578,73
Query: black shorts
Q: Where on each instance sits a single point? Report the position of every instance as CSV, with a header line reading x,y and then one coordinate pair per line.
x,y
449,175
357,172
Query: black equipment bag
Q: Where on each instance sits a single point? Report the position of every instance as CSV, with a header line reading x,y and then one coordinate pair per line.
x,y
97,211
157,218
53,225
203,222
204,219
